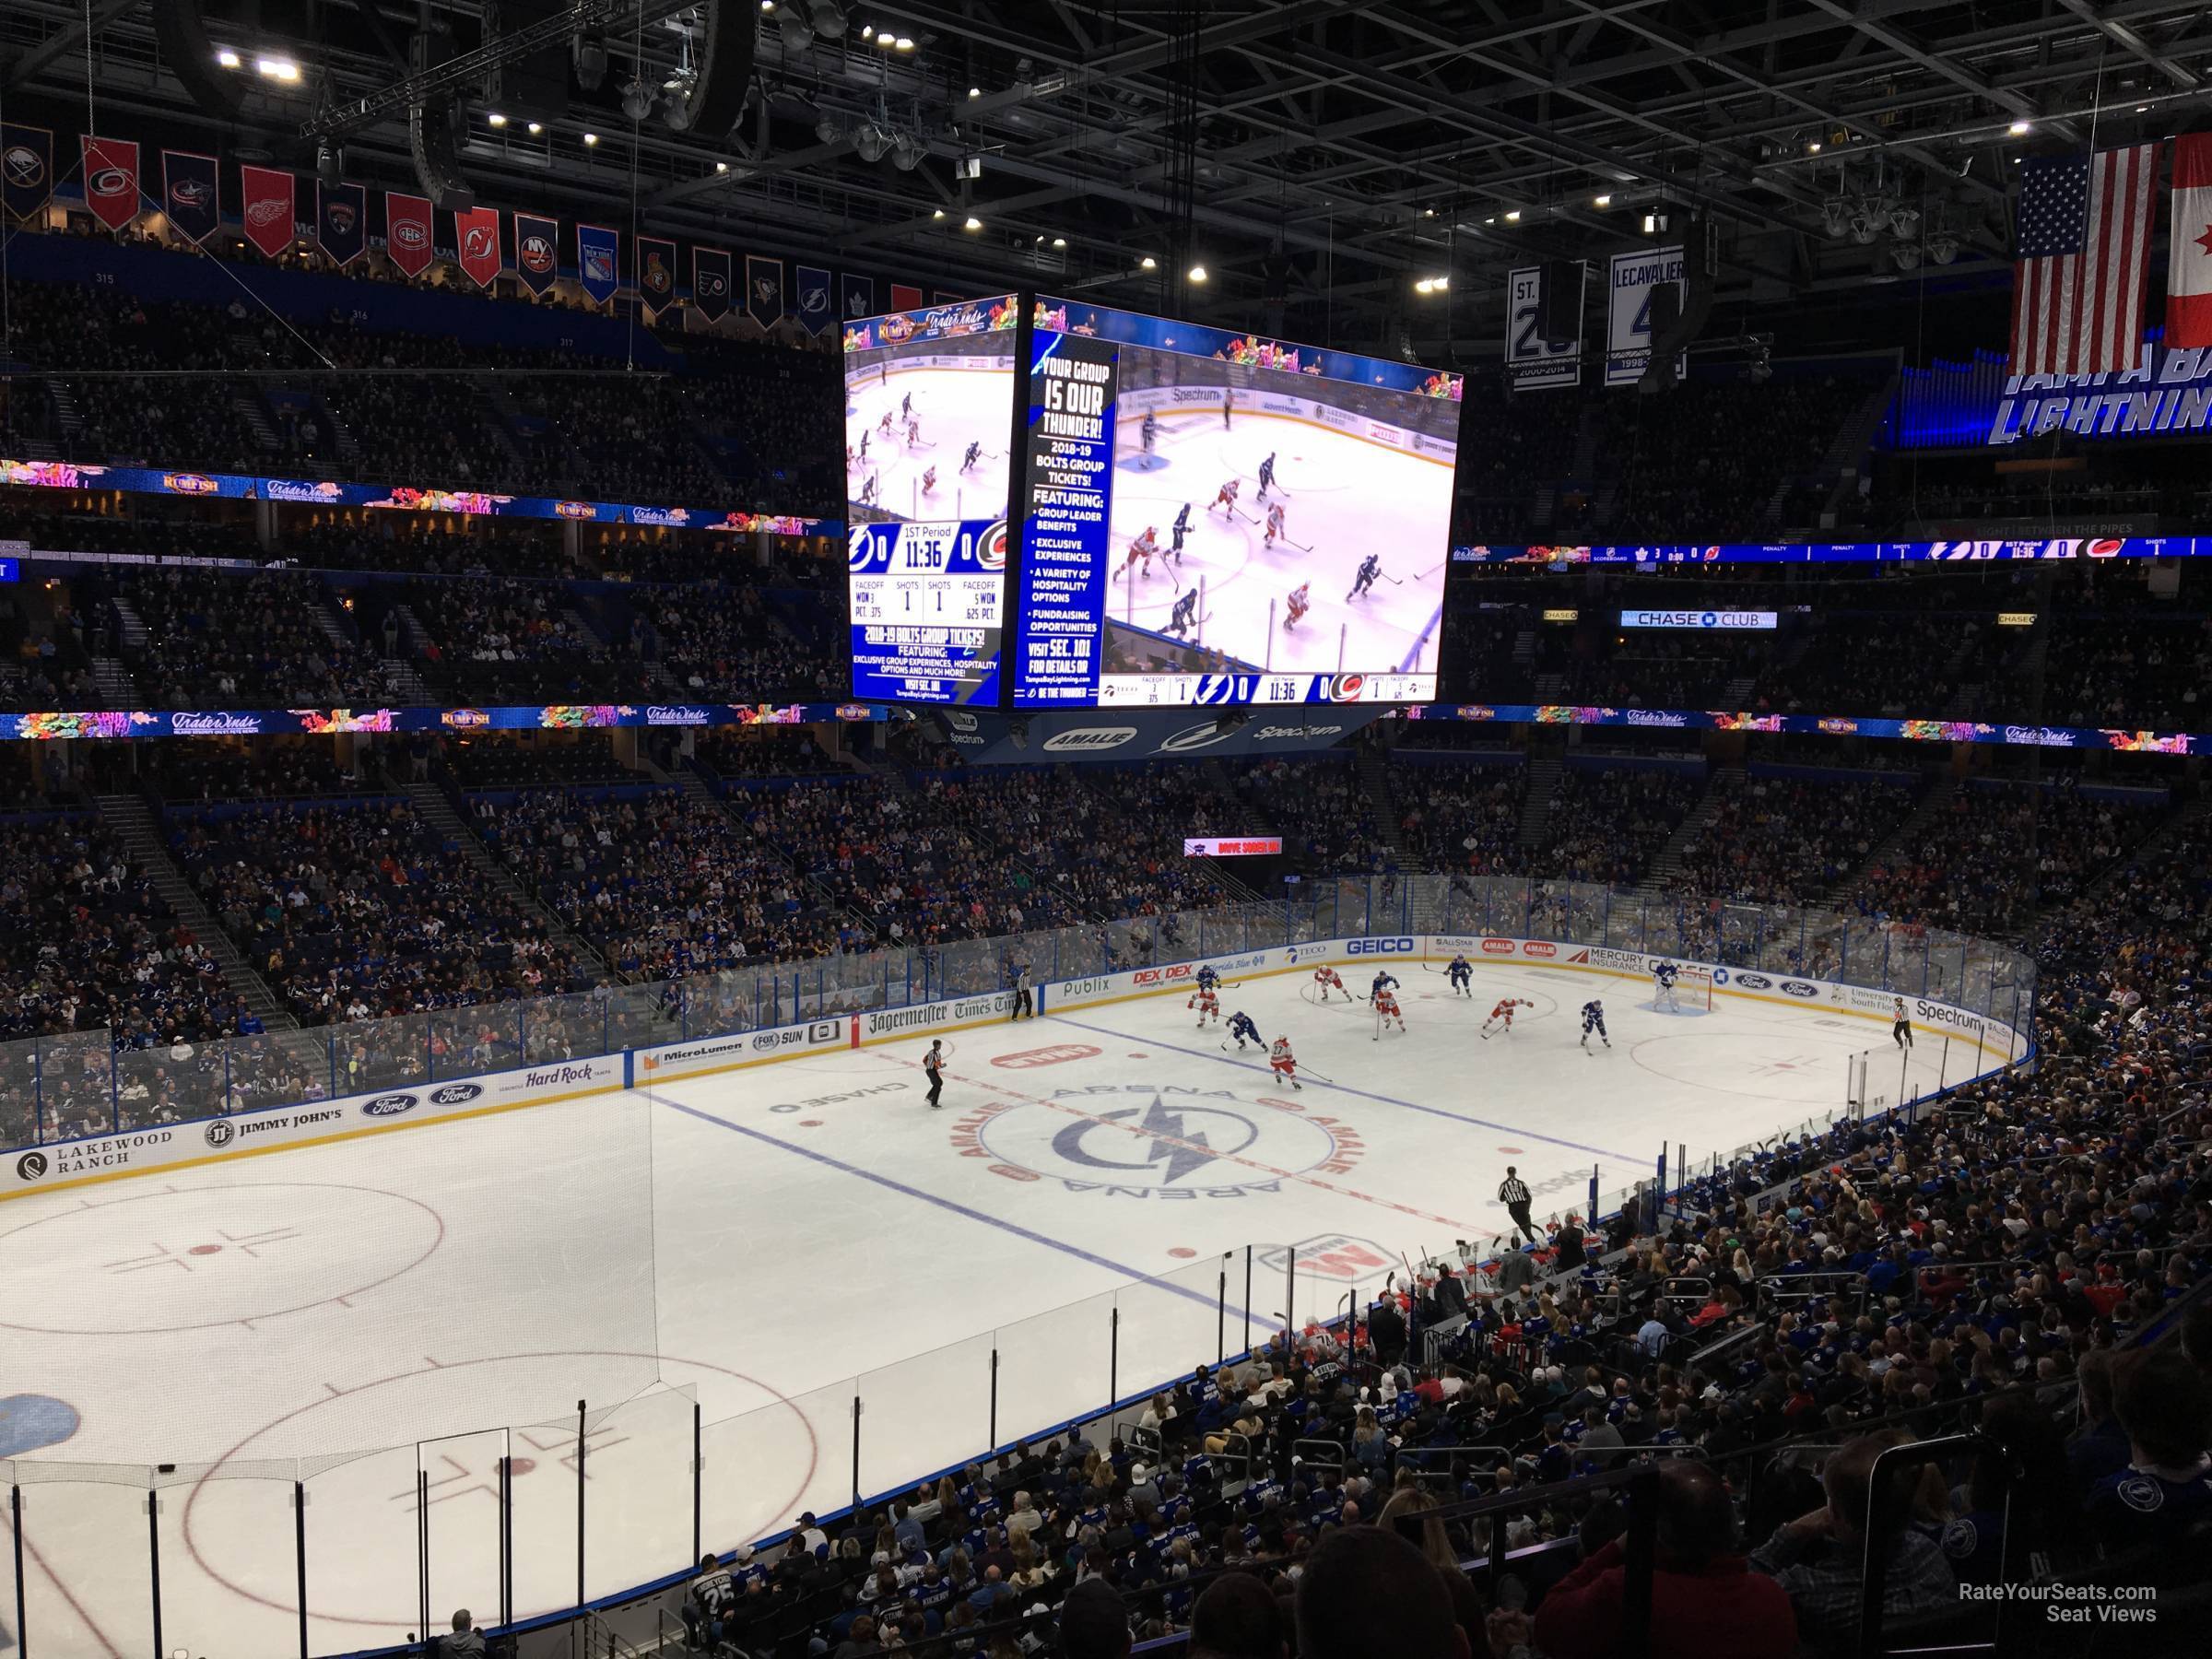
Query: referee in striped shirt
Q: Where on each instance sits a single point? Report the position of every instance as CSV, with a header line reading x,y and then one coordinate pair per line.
x,y
1512,1192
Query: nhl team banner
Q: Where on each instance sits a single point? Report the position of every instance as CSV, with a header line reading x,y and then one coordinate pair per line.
x,y
657,272
342,221
598,261
814,296
1531,361
764,289
188,193
905,297
536,259
476,244
112,180
860,298
1635,277
711,282
267,208
407,231
25,168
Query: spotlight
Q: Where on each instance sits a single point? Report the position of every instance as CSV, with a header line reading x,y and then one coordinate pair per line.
x,y
227,58
885,38
496,119
907,152
722,167
1148,262
2020,129
1943,247
903,44
828,129
1904,223
590,139
973,223
1813,148
1866,224
1907,256
1651,224
1512,216
938,214
1604,201
871,142
975,91
1198,273
330,163
637,99
535,129
1834,212
1059,242
277,68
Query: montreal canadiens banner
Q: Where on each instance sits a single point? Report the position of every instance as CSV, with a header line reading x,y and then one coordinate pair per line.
x,y
598,261
188,193
477,243
342,222
112,180
814,306
25,168
657,272
407,231
710,283
536,261
764,289
267,208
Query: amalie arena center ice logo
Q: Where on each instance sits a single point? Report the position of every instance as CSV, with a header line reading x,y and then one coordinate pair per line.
x,y
1149,1141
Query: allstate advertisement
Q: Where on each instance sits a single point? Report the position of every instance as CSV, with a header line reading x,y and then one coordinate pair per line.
x,y
926,600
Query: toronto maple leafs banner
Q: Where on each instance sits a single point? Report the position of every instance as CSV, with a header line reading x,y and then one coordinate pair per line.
x,y
536,259
342,221
188,193
25,168
764,289
598,261
860,298
814,306
710,283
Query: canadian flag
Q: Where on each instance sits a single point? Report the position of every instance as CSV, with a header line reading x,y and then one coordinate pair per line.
x,y
2189,276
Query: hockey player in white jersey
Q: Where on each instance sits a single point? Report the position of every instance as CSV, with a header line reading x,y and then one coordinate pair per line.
x,y
1663,999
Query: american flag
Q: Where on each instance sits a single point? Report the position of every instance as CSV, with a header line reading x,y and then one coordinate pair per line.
x,y
2084,253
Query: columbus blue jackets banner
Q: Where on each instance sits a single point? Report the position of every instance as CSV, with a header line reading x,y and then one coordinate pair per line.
x,y
764,289
342,221
110,179
860,298
710,283
657,272
815,307
25,168
188,193
536,260
598,261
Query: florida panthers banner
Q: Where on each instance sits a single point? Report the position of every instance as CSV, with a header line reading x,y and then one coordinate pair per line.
x,y
342,222
268,209
534,258
112,180
860,298
598,261
188,193
25,168
476,242
407,231
764,289
657,272
710,283
814,306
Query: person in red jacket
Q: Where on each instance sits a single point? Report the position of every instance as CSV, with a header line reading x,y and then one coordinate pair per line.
x,y
1706,1601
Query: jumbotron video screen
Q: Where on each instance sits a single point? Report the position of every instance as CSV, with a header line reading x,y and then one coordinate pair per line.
x,y
1214,518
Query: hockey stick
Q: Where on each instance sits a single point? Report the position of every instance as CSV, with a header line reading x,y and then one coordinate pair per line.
x,y
1392,580
1298,545
1318,1078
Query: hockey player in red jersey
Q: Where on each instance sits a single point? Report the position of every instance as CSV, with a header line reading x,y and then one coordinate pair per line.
x,y
1228,495
1283,1063
1143,547
1503,1015
1324,978
1275,524
1299,603
1386,1008
929,480
1208,1005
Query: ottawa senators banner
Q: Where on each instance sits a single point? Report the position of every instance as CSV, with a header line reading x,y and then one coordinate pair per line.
x,y
112,180
268,209
536,260
657,272
407,231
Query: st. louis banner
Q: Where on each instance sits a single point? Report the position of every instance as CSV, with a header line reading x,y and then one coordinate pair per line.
x,y
764,289
598,261
657,272
267,208
112,180
536,261
710,283
816,307
25,168
342,221
407,231
188,193
476,242
860,297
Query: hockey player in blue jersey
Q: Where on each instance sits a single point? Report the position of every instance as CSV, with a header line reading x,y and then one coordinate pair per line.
x,y
1241,1027
1207,979
1593,1019
1458,973
1663,987
1382,981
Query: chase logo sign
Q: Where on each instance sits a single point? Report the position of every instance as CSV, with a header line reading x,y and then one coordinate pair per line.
x,y
1380,947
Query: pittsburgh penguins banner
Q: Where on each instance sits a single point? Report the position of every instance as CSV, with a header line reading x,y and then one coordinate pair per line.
x,y
598,261
764,289
407,231
814,296
267,208
710,283
188,193
25,168
657,272
112,180
342,221
536,261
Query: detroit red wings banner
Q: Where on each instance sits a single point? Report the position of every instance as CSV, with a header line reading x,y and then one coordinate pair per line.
x,y
534,258
477,243
407,231
112,180
268,209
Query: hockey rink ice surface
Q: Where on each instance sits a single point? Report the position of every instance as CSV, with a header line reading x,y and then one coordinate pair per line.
x,y
956,408
392,1314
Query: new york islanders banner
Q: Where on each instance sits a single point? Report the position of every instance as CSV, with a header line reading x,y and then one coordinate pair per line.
x,y
764,289
657,272
25,168
860,297
534,258
342,221
112,180
476,242
816,307
598,261
710,283
407,231
267,208
188,193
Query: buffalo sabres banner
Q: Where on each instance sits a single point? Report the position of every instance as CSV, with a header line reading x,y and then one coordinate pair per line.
x,y
813,295
764,289
112,180
342,221
536,260
188,193
477,243
860,298
598,261
25,168
267,208
905,297
407,231
710,283
657,272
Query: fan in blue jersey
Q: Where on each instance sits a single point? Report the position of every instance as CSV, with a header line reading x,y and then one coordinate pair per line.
x,y
1242,1028
1207,979
1458,973
1384,982
1662,986
1593,1019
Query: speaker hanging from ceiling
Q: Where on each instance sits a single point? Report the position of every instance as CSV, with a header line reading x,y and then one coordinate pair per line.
x,y
1559,302
1679,319
729,31
188,52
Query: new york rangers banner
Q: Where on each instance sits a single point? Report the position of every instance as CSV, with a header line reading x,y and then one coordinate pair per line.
x,y
815,307
535,259
657,272
476,242
25,168
112,180
342,221
764,289
407,231
267,208
188,193
905,297
710,283
598,261
860,297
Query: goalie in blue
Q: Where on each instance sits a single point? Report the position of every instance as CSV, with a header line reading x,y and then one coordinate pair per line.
x,y
1593,1019
1663,987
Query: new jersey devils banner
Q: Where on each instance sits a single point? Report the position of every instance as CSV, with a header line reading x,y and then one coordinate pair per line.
x,y
268,209
815,309
112,180
407,231
342,221
476,241
534,258
188,193
25,168
710,283
598,261
657,272
764,289
905,297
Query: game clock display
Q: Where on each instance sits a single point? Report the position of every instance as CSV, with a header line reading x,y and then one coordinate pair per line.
x,y
925,602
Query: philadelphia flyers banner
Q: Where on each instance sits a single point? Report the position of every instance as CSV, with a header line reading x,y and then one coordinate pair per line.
x,y
341,222
112,180
710,283
268,209
407,231
535,259
476,242
188,193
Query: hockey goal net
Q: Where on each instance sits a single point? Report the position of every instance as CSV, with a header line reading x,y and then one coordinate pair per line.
x,y
1693,987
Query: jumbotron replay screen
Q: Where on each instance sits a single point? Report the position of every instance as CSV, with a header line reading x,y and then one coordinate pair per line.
x,y
1212,518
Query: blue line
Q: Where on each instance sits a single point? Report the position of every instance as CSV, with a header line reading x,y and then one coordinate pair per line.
x,y
957,1208
1456,1117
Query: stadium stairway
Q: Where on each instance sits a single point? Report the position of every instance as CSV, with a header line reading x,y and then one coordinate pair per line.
x,y
1848,451
117,689
1719,782
435,807
68,418
1374,779
1938,800
255,414
131,821
1540,785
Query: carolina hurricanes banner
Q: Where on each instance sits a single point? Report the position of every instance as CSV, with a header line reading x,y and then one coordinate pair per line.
x,y
188,193
268,209
815,308
112,180
25,168
657,272
860,297
407,231
2189,261
476,241
764,289
710,283
536,260
905,297
598,261
342,221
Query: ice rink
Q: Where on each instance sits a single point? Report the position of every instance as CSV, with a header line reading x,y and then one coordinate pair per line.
x,y
956,408
402,1311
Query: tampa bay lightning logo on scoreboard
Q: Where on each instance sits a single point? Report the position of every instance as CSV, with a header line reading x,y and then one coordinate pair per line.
x,y
1226,687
